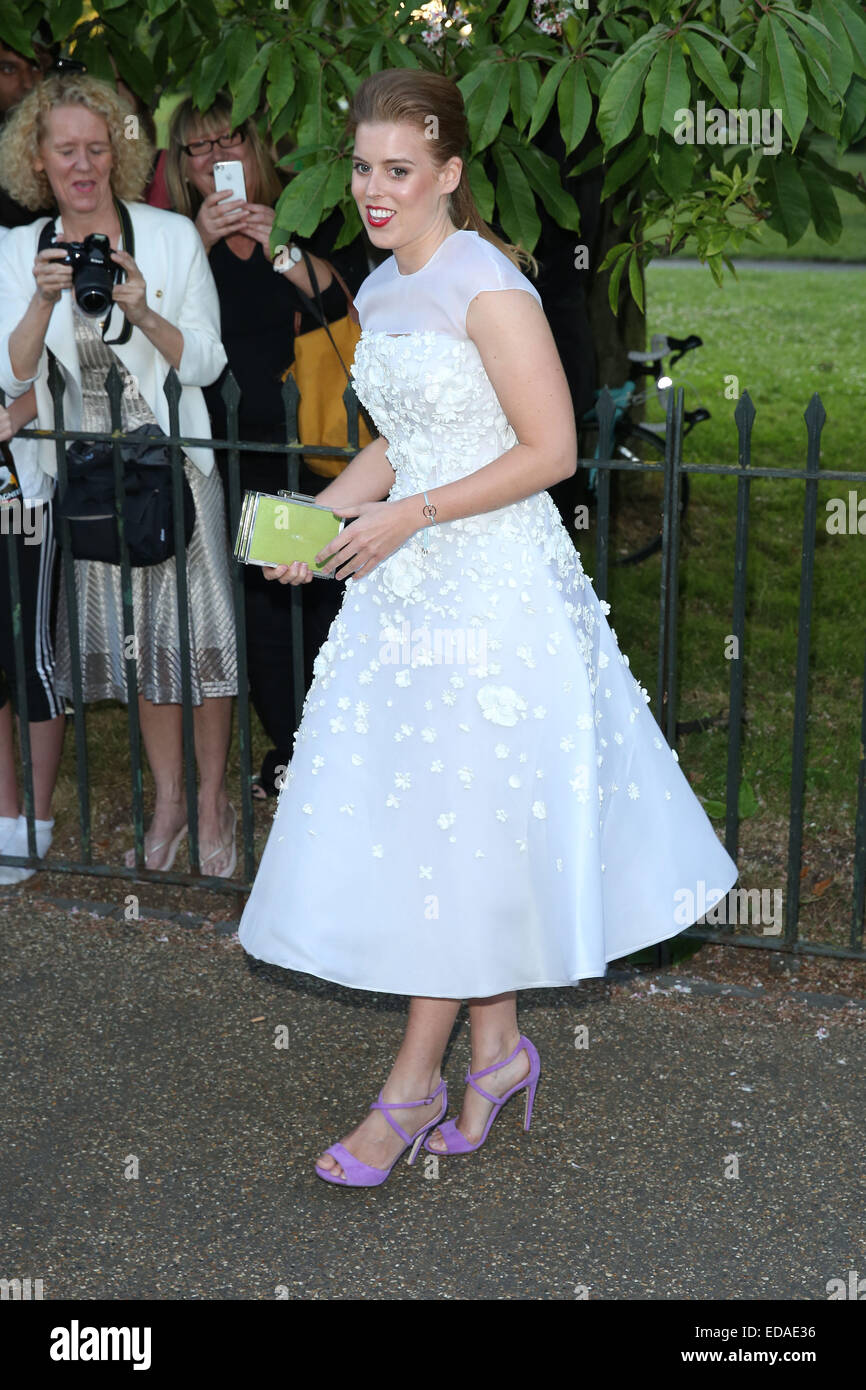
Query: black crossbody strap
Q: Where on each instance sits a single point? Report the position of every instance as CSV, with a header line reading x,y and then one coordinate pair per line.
x,y
311,307
128,246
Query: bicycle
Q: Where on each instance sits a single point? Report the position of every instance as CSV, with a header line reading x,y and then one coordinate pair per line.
x,y
637,497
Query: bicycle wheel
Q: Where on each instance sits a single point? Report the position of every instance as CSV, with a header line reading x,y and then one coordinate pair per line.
x,y
636,498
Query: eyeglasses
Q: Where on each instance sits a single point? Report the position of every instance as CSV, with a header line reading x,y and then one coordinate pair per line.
x,y
225,142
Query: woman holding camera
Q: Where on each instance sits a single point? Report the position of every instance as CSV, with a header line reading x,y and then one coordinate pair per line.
x,y
66,141
259,309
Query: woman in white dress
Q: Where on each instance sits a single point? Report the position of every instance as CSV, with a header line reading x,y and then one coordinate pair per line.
x,y
479,799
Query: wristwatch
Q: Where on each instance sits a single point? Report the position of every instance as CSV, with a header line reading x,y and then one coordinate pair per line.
x,y
287,257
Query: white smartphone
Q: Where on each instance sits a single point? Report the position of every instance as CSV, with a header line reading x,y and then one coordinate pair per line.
x,y
229,173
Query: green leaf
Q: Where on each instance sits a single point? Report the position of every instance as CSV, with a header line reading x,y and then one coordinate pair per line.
x,y
574,105
300,206
489,106
613,283
841,57
792,211
676,166
211,76
351,227
854,118
246,94
524,91
822,199
633,157
621,94
281,76
855,27
94,54
814,50
482,189
822,115
135,69
240,46
515,201
589,161
63,17
747,802
667,88
718,37
622,248
543,174
512,18
710,68
546,94
351,79
840,178
313,126
400,54
635,280
787,79
14,32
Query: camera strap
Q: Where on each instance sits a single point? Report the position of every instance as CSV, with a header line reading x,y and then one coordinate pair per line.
x,y
46,239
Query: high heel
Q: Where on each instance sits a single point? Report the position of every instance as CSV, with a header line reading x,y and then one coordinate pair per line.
x,y
360,1174
455,1141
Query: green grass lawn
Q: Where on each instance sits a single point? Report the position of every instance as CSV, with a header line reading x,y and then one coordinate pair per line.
x,y
784,337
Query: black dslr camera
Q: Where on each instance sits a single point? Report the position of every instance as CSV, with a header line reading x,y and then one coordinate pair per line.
x,y
93,272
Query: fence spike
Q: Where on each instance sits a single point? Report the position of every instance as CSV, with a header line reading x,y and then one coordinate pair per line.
x,y
231,392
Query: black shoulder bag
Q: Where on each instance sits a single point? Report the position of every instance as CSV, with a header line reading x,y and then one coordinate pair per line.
x,y
88,500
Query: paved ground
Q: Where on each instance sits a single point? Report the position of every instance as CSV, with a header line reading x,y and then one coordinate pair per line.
x,y
153,1044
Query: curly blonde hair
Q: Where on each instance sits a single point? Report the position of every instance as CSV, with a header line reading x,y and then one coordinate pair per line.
x,y
25,128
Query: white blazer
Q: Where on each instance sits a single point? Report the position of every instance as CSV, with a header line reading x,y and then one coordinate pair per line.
x,y
180,287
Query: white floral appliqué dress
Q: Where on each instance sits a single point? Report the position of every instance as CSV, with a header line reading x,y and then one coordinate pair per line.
x,y
479,798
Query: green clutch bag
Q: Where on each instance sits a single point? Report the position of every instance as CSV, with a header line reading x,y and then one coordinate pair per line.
x,y
276,530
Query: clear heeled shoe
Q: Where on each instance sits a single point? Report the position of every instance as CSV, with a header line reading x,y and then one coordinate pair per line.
x,y
456,1142
360,1174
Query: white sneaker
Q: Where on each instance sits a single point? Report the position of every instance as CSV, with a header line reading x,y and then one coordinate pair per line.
x,y
17,844
8,825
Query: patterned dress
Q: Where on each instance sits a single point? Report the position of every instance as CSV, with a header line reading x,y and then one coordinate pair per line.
x,y
154,587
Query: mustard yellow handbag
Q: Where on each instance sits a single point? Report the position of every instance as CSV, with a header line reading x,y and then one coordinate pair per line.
x,y
320,373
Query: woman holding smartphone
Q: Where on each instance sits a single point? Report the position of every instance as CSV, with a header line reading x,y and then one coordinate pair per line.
x,y
462,829
258,308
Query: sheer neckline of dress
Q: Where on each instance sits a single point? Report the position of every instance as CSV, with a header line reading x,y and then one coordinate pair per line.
x,y
407,275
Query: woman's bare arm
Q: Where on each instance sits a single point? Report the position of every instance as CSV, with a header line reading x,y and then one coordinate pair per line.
x,y
520,357
368,478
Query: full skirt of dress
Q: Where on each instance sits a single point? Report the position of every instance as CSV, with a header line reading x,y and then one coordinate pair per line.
x,y
479,797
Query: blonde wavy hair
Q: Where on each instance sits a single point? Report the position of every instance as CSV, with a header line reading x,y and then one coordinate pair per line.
x,y
26,127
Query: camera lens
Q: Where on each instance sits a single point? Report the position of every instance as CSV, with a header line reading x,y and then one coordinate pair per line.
x,y
94,276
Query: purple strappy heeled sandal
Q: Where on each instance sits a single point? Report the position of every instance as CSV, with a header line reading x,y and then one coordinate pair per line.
x,y
360,1174
455,1140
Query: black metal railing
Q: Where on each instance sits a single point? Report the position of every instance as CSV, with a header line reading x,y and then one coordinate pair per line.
x,y
665,703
